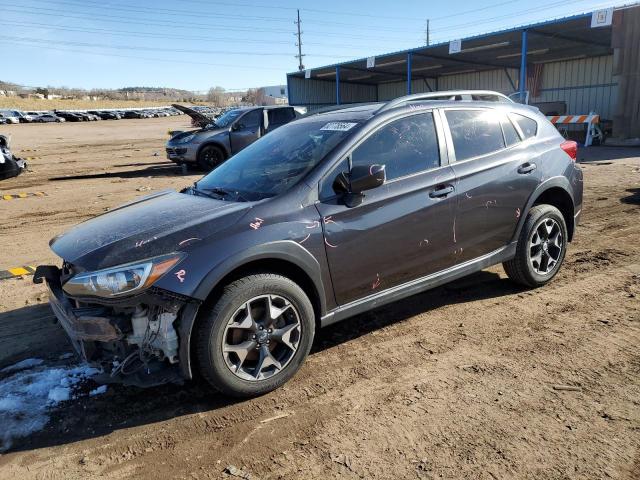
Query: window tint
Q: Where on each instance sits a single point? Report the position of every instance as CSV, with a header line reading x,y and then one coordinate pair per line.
x,y
474,132
278,116
252,119
510,133
528,126
405,146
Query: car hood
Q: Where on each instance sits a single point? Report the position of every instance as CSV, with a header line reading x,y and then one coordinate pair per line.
x,y
155,225
203,132
199,117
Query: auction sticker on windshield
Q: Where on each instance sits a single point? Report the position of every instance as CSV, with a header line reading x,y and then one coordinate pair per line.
x,y
339,126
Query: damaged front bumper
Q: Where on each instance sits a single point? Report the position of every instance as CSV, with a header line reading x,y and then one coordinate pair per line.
x,y
141,340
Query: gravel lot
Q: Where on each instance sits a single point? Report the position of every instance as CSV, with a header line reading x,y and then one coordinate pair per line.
x,y
464,381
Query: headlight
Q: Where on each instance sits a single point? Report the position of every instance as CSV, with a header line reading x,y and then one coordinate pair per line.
x,y
186,139
123,279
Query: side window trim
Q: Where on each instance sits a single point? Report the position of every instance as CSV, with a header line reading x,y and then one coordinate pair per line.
x,y
452,150
517,126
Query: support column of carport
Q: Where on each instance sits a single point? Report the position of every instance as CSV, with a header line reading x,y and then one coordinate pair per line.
x,y
409,73
338,85
522,87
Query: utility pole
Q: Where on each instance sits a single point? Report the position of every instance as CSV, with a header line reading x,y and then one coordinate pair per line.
x,y
427,34
299,44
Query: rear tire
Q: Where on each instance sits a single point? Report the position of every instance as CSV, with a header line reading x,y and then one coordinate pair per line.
x,y
541,247
256,336
210,157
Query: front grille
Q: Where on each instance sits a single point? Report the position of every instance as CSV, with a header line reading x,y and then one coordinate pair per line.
x,y
176,151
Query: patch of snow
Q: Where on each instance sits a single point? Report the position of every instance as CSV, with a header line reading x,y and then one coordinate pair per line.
x,y
65,356
27,396
98,391
24,364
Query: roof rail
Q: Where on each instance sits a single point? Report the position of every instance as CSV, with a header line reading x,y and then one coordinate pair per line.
x,y
459,95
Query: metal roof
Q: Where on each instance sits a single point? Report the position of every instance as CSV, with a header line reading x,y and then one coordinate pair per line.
x,y
553,40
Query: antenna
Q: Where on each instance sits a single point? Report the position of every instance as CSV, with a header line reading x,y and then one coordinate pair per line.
x,y
299,44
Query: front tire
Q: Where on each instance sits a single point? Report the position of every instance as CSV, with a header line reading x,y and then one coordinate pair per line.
x,y
541,247
210,157
256,336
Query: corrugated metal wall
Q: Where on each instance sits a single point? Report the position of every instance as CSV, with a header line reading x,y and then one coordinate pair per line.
x,y
316,94
496,80
585,85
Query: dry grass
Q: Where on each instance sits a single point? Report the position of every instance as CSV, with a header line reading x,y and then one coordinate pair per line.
x,y
29,104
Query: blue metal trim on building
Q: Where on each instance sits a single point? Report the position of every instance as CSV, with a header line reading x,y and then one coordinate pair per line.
x,y
475,37
409,73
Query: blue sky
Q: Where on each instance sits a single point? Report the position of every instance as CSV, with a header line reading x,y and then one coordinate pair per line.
x,y
197,44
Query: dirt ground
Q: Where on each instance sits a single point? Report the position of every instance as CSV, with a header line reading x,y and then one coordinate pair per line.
x,y
458,382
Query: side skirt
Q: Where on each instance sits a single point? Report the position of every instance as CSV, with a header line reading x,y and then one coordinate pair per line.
x,y
419,285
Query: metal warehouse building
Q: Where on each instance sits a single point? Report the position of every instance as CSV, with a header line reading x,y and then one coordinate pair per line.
x,y
575,65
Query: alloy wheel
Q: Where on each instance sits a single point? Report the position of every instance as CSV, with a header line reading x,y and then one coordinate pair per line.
x,y
545,246
261,337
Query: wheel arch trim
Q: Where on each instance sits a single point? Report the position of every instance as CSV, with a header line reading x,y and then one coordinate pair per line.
x,y
554,182
286,251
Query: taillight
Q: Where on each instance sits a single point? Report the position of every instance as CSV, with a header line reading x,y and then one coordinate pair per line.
x,y
570,148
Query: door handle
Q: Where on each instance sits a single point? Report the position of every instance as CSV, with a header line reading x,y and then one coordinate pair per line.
x,y
527,168
441,191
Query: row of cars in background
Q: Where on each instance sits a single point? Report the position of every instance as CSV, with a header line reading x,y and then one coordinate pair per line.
x,y
57,116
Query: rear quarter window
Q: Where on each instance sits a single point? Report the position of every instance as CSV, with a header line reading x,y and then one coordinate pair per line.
x,y
528,126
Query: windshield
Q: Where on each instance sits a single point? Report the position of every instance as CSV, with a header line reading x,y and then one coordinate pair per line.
x,y
228,118
277,161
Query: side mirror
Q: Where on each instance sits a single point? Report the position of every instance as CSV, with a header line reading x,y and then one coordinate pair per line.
x,y
237,126
361,178
366,177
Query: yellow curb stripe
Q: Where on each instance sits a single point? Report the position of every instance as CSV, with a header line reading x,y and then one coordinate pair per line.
x,y
23,195
17,272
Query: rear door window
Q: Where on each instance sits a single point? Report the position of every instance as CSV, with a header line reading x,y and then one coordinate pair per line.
x,y
474,132
280,116
528,126
405,146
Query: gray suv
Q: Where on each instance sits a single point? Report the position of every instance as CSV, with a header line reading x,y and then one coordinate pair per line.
x,y
225,136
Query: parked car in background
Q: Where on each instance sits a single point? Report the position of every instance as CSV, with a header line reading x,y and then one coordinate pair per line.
x,y
105,115
22,117
327,217
69,116
225,136
10,116
133,114
47,118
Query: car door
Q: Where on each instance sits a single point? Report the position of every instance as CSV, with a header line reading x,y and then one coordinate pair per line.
x,y
246,130
495,173
403,229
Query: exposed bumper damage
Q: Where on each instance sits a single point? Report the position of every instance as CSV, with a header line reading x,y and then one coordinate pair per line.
x,y
140,340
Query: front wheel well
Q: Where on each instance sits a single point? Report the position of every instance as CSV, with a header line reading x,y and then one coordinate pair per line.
x,y
275,266
559,198
219,146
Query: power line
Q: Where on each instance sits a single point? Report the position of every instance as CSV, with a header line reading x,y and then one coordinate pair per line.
x,y
172,60
118,33
157,49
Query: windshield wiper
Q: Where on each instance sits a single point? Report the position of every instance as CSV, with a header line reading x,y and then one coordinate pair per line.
x,y
222,192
